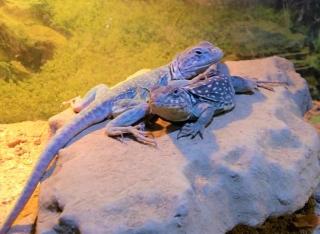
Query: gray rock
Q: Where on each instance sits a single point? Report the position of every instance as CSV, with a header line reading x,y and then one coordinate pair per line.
x,y
257,161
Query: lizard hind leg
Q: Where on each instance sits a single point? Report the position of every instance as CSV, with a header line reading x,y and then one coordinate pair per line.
x,y
124,123
78,104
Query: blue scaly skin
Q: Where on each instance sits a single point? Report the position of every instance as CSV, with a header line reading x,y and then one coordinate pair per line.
x,y
208,94
100,104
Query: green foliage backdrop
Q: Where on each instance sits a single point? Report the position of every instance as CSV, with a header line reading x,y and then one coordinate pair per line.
x,y
105,41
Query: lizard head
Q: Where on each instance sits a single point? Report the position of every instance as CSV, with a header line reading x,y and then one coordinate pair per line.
x,y
171,103
195,60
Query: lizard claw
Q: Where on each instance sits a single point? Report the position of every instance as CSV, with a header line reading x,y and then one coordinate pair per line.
x,y
265,84
262,84
121,139
267,87
140,135
198,78
191,129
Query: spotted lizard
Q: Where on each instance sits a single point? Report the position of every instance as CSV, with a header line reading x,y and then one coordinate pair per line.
x,y
208,94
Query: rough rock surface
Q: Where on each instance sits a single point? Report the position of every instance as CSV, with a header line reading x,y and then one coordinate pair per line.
x,y
257,161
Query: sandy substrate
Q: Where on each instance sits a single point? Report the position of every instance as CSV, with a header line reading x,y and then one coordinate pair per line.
x,y
20,147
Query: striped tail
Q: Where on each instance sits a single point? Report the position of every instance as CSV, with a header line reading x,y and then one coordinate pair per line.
x,y
62,137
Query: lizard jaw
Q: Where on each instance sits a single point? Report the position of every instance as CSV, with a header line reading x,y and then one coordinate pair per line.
x,y
170,112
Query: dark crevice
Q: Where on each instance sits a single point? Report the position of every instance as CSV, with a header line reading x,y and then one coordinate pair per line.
x,y
66,226
281,225
55,207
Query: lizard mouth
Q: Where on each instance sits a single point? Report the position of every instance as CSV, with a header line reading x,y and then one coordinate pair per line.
x,y
171,112
167,105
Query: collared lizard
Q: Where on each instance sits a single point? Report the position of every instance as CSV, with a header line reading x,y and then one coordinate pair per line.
x,y
99,104
184,100
201,100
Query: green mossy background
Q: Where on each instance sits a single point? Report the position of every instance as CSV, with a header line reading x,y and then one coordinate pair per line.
x,y
53,50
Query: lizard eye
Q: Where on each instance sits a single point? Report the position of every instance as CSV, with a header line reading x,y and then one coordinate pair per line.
x,y
198,52
176,91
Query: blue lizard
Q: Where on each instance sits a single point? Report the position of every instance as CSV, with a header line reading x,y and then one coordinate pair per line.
x,y
211,94
183,100
100,102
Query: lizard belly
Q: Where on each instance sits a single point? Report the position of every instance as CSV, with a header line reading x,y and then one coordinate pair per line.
x,y
228,106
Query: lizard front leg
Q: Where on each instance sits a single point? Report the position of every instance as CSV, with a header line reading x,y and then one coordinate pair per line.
x,y
122,124
205,113
78,104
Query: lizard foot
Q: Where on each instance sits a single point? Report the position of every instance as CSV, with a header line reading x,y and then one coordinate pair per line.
x,y
205,75
73,103
191,129
198,78
136,131
265,84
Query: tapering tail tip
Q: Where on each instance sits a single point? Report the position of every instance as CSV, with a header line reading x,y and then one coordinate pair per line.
x,y
6,226
4,229
61,138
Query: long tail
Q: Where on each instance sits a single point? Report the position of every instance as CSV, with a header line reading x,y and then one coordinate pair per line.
x,y
62,137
